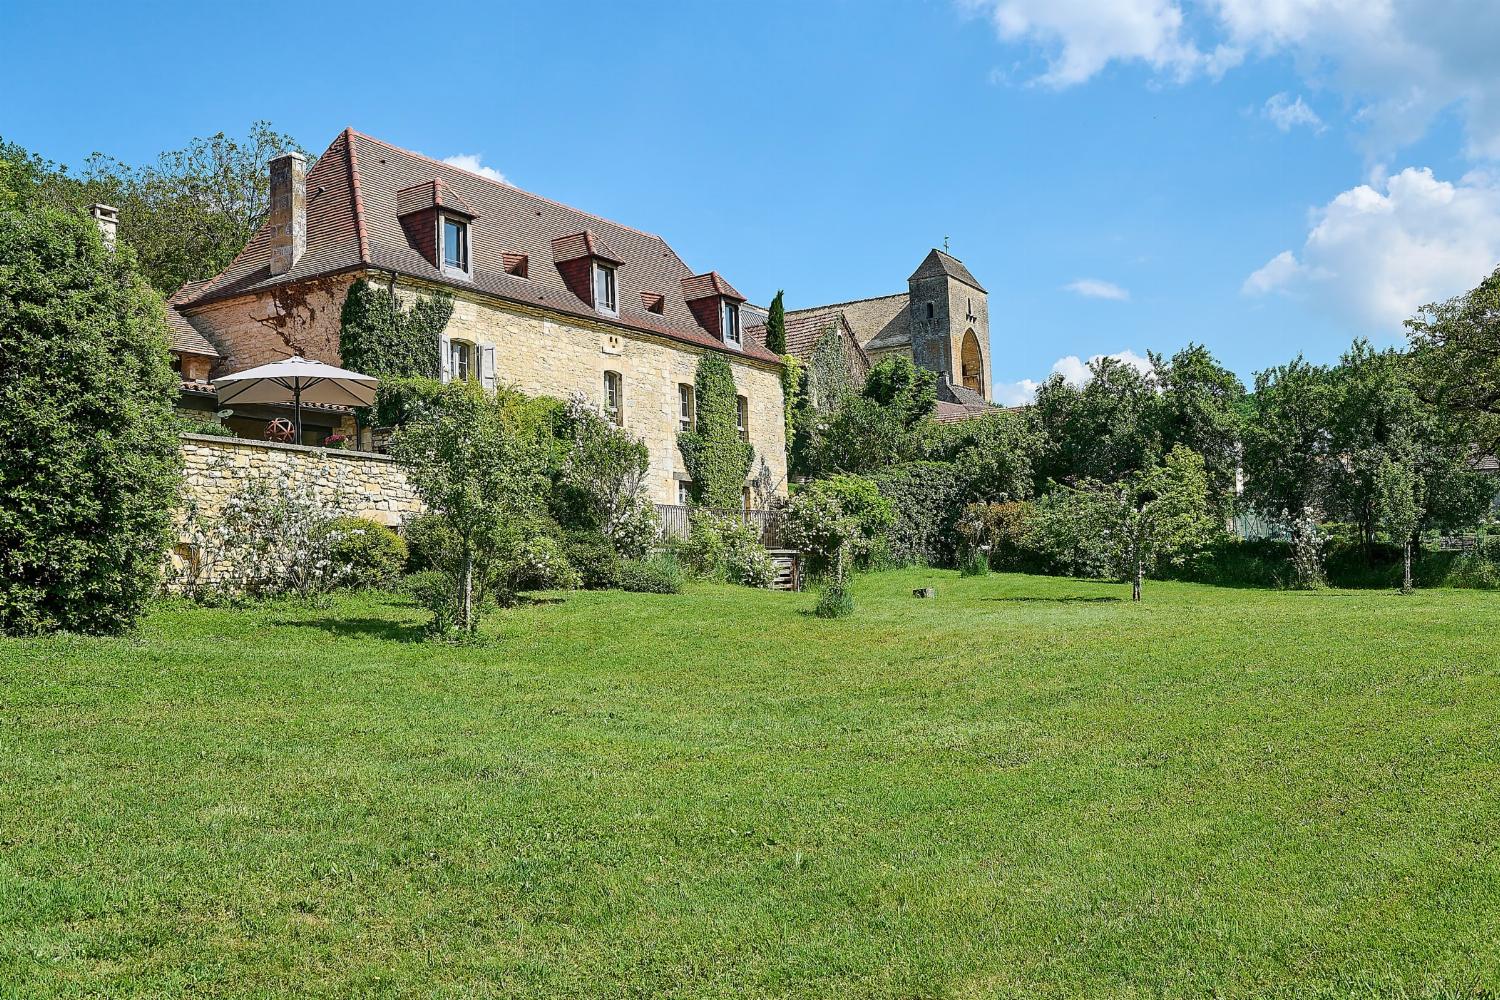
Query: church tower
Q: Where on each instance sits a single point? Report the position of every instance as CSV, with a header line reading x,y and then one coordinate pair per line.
x,y
950,325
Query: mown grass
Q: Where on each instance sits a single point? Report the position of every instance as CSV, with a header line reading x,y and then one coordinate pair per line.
x,y
1027,787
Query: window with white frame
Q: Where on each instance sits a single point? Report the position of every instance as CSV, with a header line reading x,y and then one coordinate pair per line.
x,y
731,322
742,416
455,244
685,404
684,492
606,298
614,397
461,361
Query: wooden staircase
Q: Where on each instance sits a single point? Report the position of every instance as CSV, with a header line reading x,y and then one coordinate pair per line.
x,y
788,564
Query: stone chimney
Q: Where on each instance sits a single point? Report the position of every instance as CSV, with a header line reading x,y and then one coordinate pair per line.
x,y
107,219
288,216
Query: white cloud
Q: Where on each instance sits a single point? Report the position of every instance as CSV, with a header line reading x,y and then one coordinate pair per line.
x,y
1073,369
1377,252
1398,64
1287,114
1093,288
473,163
1083,36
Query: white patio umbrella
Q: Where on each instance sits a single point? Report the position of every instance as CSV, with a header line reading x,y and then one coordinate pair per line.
x,y
297,380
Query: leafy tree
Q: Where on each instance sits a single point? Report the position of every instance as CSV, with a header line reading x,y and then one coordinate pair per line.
x,y
1158,514
992,454
860,436
838,520
1103,430
379,336
1456,345
1398,508
478,461
601,480
713,454
88,446
1198,406
907,393
185,216
1287,442
776,325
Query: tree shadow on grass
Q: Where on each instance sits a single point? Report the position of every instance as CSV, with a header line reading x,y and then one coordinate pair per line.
x,y
1056,600
366,628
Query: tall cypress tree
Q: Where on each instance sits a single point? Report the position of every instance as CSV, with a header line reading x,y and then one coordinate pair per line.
x,y
776,326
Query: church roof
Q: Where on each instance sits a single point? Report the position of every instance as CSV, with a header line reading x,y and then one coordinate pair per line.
x,y
939,263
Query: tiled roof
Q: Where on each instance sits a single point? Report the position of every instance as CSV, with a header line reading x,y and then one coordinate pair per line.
x,y
939,263
431,194
805,329
878,323
961,394
583,244
185,338
703,286
948,413
353,224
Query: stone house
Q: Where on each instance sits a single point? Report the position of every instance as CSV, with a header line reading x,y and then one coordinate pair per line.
x,y
941,322
547,299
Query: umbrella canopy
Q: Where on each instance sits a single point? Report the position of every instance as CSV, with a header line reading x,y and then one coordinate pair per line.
x,y
297,380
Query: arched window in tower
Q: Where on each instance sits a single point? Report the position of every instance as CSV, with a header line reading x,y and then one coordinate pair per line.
x,y
972,361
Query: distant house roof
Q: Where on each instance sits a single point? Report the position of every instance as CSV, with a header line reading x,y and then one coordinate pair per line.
x,y
939,263
878,323
354,204
805,329
185,338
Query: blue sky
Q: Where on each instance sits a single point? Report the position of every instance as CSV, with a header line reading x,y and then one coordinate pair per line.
x,y
1123,175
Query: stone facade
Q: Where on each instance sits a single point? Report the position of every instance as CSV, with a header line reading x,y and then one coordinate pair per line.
x,y
371,486
533,350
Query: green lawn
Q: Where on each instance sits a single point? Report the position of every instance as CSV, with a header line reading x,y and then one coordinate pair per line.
x,y
1028,787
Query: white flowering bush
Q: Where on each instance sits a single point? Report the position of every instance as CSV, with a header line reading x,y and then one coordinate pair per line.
x,y
272,536
1307,552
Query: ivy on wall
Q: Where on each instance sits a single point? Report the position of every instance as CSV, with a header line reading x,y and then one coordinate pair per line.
x,y
716,459
381,337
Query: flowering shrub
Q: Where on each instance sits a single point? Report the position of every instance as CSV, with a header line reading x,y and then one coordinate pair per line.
x,y
270,537
724,547
537,564
364,554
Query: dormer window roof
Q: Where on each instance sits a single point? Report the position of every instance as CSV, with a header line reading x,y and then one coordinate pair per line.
x,y
432,194
588,268
436,222
716,304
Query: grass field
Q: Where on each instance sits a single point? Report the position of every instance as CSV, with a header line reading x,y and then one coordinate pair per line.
x,y
1028,787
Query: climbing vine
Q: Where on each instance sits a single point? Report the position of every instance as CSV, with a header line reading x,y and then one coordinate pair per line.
x,y
381,337
716,459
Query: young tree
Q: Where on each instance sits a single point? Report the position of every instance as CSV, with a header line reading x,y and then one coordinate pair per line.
x,y
1198,406
1398,508
717,461
601,483
89,467
776,326
1104,430
907,393
479,464
1160,514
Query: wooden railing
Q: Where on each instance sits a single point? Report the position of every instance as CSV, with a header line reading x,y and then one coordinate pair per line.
x,y
675,520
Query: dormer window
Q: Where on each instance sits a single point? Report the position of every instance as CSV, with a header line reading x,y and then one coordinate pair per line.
x,y
455,244
730,323
605,298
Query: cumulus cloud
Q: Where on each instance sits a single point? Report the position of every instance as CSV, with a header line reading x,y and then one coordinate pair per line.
x,y
1073,369
473,163
1397,63
1377,252
1093,288
1286,114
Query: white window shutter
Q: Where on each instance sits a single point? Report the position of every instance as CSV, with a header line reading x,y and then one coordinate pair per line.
x,y
445,356
487,368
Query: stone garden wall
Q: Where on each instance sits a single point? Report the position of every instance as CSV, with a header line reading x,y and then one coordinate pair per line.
x,y
372,486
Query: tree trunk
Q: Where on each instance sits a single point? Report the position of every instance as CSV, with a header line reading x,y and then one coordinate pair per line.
x,y
1406,587
467,597
1135,584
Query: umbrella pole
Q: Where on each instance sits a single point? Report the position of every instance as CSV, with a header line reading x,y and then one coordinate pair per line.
x,y
297,412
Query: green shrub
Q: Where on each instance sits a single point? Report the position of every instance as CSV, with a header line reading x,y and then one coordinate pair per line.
x,y
974,563
658,574
724,547
595,559
750,565
835,601
925,500
89,462
202,423
437,592
427,538
538,563
364,553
